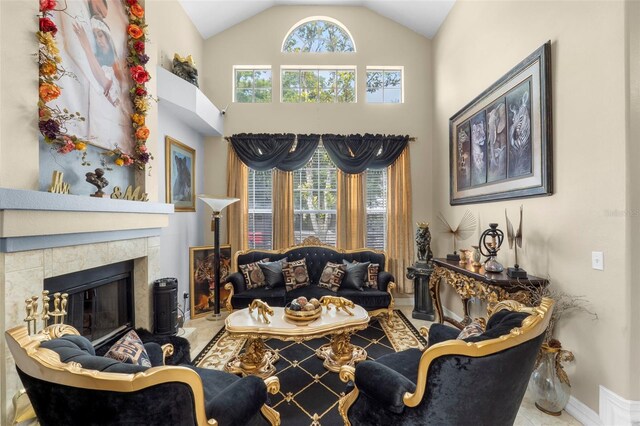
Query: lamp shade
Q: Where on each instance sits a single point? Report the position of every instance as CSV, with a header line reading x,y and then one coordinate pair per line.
x,y
217,203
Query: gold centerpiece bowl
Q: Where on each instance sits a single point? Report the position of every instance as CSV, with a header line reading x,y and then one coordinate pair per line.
x,y
304,316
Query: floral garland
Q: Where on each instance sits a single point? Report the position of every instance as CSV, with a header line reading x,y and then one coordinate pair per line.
x,y
52,121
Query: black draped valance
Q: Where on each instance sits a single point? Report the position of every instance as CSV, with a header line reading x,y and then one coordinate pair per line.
x,y
263,151
352,154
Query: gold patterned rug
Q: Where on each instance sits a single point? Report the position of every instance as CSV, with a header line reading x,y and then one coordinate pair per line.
x,y
308,392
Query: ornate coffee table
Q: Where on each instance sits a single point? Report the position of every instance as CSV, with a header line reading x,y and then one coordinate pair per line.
x,y
258,360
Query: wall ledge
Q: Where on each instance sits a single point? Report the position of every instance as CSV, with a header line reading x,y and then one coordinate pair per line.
x,y
20,199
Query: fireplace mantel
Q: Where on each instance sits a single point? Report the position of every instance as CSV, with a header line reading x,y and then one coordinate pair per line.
x,y
33,220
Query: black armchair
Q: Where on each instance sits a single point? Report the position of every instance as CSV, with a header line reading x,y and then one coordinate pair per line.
x,y
477,381
68,384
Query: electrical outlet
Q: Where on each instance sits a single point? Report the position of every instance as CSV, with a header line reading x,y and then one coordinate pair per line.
x,y
185,295
597,260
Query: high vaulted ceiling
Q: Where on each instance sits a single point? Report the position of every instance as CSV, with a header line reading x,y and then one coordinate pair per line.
x,y
214,16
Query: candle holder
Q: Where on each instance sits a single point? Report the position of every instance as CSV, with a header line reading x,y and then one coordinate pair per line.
x,y
490,242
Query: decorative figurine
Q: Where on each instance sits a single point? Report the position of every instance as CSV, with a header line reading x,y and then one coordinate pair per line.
x,y
423,242
58,186
496,237
515,237
130,194
463,231
98,180
185,68
476,256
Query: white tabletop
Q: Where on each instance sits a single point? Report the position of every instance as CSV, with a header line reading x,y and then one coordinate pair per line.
x,y
330,320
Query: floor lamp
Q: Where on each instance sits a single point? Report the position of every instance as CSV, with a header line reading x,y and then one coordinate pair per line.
x,y
217,204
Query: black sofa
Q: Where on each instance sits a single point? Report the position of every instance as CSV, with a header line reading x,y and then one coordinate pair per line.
x,y
375,300
68,384
479,380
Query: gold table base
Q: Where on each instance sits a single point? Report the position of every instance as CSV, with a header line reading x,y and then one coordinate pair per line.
x,y
340,352
257,360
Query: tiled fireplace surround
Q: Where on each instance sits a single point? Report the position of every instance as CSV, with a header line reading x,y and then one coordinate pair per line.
x,y
24,268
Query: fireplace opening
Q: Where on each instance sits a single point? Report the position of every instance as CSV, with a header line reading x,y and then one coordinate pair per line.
x,y
100,304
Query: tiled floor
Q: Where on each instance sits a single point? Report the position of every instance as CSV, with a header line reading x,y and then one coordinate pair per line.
x,y
528,415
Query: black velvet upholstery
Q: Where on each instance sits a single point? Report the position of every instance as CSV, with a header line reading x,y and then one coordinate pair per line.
x,y
231,400
316,259
461,390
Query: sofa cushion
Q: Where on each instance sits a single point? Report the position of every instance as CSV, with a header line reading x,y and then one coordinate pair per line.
x,y
130,350
332,276
253,275
499,324
309,292
372,275
272,271
295,274
368,298
76,348
356,275
271,296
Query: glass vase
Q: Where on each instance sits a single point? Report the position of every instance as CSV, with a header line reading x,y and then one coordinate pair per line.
x,y
549,383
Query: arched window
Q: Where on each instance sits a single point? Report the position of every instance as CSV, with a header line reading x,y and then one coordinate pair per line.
x,y
318,34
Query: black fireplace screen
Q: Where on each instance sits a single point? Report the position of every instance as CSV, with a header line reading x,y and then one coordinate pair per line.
x,y
100,300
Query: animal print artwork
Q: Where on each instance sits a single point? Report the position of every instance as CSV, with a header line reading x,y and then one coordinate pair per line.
x,y
519,110
182,180
464,156
497,141
478,150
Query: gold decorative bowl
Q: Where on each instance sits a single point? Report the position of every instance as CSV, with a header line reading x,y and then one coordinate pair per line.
x,y
302,317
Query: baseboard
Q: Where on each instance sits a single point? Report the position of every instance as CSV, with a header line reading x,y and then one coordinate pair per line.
x,y
582,413
615,410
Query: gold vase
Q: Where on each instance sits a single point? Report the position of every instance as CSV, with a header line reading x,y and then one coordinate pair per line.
x,y
464,256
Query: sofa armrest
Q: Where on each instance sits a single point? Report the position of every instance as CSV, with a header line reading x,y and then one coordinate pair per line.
x,y
239,402
384,278
384,385
237,280
439,333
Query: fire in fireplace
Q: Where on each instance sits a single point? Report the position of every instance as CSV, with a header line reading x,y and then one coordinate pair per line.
x,y
100,304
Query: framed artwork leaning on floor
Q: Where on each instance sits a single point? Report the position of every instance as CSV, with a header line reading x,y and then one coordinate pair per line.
x,y
201,282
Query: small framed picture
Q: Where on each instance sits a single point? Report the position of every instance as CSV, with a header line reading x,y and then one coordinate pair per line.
x,y
202,285
180,166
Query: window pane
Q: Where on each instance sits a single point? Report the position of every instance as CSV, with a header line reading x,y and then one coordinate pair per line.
x,y
290,79
392,96
290,95
309,82
318,85
374,80
374,96
244,95
318,36
244,79
376,188
262,78
260,209
392,79
263,95
346,86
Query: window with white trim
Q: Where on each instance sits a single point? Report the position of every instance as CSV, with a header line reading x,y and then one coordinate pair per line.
x,y
385,85
319,34
260,210
331,85
252,84
315,199
376,199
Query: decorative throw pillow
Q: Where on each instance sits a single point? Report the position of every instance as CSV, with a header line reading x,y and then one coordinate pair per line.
x,y
273,273
253,276
473,329
332,276
372,275
130,350
355,276
295,274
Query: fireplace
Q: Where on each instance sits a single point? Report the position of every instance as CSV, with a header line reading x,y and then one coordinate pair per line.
x,y
100,304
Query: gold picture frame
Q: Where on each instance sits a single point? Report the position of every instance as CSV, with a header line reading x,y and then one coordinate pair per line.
x,y
201,281
180,175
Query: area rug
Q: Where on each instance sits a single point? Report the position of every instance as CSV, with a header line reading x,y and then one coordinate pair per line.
x,y
309,393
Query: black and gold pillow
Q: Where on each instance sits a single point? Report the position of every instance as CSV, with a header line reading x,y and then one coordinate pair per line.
x,y
253,275
130,350
295,274
332,276
372,275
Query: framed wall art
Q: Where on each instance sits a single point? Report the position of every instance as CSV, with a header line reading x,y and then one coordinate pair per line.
x,y
201,282
180,166
501,142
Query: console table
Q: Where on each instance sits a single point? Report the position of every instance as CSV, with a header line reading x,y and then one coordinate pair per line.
x,y
469,282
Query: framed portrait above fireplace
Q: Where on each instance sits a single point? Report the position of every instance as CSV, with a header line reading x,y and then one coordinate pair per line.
x,y
180,166
202,284
501,142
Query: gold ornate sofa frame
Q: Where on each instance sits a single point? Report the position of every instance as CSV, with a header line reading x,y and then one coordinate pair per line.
x,y
532,327
46,364
315,242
